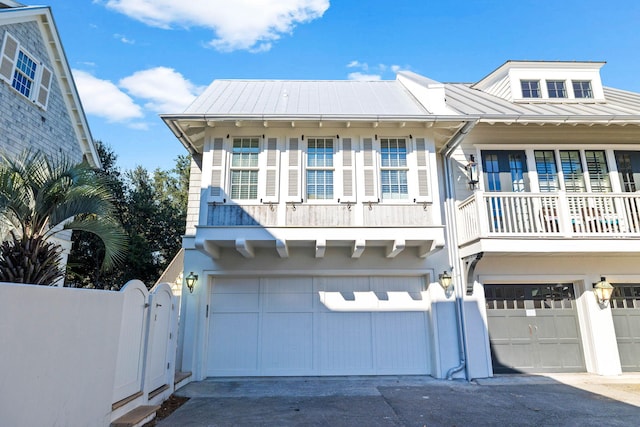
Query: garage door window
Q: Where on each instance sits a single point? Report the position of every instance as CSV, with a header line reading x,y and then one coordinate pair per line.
x,y
626,296
506,297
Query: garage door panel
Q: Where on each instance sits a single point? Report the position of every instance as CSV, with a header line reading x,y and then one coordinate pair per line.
x,y
284,285
235,302
513,354
290,302
347,345
508,327
237,285
290,345
397,284
565,357
622,322
240,329
400,341
341,284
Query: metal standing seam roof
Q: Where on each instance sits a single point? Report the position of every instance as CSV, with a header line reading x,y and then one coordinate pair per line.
x,y
467,101
306,98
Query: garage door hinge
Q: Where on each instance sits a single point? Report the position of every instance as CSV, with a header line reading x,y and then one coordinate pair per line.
x,y
207,316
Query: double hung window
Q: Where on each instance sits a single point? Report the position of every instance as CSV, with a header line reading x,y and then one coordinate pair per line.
x,y
556,89
24,72
582,89
530,89
598,171
320,168
393,168
572,171
547,172
244,168
24,75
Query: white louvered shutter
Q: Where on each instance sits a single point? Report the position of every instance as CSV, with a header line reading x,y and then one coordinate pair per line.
x,y
217,192
44,87
8,57
271,172
348,172
423,192
369,170
294,178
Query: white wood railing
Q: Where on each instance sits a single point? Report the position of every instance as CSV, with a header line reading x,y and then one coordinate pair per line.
x,y
548,214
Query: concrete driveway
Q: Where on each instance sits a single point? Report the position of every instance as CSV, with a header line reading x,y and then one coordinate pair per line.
x,y
558,400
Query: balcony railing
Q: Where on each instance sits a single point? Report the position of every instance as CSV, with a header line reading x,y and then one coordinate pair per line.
x,y
558,214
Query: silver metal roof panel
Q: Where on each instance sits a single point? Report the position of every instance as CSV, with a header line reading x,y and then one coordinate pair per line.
x,y
297,98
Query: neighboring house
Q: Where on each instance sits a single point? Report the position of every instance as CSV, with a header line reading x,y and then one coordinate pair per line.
x,y
39,104
319,212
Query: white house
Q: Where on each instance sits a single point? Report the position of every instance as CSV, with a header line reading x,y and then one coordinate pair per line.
x,y
323,214
39,104
555,208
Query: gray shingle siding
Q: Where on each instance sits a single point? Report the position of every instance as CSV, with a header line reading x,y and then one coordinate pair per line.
x,y
22,123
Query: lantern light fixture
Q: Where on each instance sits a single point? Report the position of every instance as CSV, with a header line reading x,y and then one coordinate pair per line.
x,y
603,291
445,280
191,280
472,172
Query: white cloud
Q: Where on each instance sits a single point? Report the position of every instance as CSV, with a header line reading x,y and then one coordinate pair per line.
x,y
362,76
357,64
238,24
124,39
374,72
164,89
102,98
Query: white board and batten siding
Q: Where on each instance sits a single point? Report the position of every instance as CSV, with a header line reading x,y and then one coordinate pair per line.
x,y
281,327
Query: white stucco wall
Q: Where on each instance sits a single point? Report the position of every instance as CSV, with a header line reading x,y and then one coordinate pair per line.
x,y
58,350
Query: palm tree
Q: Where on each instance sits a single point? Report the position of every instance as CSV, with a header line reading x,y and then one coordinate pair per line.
x,y
40,197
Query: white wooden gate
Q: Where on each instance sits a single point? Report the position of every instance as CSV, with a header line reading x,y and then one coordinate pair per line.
x,y
133,328
161,341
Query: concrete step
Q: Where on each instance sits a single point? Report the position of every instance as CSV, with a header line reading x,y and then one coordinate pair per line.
x,y
136,417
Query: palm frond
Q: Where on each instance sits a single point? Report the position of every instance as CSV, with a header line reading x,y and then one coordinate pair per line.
x,y
108,231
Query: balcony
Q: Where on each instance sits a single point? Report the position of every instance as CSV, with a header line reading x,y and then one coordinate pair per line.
x,y
549,222
351,228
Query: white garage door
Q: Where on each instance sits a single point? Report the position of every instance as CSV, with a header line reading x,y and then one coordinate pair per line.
x,y
281,326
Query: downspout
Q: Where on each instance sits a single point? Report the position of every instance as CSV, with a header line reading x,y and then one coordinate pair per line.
x,y
452,247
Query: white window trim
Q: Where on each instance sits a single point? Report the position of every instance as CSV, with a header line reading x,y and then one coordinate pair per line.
x,y
337,175
260,169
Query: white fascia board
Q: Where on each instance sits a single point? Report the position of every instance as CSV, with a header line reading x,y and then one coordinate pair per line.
x,y
579,120
67,85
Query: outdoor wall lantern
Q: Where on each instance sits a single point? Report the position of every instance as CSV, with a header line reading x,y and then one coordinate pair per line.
x,y
191,280
603,291
445,280
472,172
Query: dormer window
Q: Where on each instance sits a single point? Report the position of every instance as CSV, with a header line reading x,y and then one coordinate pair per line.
x,y
556,89
530,88
582,89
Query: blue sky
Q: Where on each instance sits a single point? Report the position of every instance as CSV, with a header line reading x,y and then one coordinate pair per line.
x,y
135,59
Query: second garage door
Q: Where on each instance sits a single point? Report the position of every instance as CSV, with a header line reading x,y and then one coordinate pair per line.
x,y
625,309
534,328
280,326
